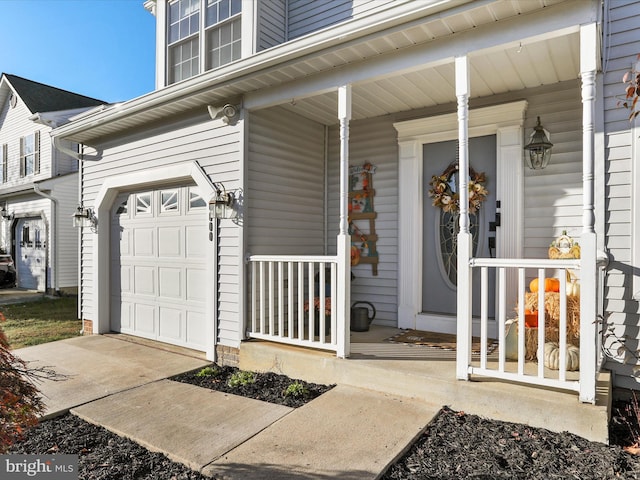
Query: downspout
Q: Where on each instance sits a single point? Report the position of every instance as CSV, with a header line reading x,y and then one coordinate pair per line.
x,y
53,244
79,237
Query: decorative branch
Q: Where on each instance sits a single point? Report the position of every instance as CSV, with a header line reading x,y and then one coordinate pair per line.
x,y
631,80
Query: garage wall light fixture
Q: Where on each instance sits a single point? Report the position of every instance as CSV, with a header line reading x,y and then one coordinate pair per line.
x,y
84,217
4,213
223,206
539,148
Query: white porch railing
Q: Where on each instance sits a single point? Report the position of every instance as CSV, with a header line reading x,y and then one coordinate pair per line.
x,y
513,272
287,296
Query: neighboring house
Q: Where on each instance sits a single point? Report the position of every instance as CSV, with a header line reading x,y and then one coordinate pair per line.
x,y
38,184
313,88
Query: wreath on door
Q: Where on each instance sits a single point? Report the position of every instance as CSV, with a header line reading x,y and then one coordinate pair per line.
x,y
444,190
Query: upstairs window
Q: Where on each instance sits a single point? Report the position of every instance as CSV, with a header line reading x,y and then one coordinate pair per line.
x,y
184,40
222,24
30,154
190,50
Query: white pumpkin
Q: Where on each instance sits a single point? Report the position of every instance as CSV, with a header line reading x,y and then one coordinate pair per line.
x,y
552,357
573,288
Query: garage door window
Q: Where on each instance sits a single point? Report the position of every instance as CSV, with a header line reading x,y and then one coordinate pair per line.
x,y
195,200
169,201
143,203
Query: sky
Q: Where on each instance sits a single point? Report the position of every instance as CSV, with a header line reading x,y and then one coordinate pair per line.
x,y
103,49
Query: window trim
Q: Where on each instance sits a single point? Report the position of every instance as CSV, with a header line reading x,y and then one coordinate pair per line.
x,y
35,153
203,61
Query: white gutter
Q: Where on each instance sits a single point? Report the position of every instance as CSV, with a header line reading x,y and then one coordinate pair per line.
x,y
52,244
312,43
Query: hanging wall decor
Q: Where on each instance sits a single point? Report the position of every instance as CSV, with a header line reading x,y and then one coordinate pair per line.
x,y
361,211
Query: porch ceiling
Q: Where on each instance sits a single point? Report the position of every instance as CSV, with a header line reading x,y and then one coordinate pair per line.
x,y
509,69
511,46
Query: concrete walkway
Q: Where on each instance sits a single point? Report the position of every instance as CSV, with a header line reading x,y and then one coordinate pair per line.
x,y
347,433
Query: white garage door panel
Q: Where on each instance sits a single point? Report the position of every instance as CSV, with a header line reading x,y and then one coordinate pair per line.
x,y
144,242
171,325
144,320
196,281
169,242
144,280
195,246
170,282
125,315
158,266
196,332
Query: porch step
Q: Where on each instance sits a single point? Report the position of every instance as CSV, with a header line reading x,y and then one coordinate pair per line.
x,y
410,372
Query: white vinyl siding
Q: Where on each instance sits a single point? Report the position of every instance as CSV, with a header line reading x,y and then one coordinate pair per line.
x,y
65,190
217,149
373,141
622,165
285,184
553,196
14,125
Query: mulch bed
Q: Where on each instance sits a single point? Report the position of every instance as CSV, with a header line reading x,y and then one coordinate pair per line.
x,y
269,387
456,445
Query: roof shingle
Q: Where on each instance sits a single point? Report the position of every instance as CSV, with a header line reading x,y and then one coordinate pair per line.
x,y
44,98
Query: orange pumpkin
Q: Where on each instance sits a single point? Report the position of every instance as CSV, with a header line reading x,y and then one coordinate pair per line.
x,y
530,319
550,285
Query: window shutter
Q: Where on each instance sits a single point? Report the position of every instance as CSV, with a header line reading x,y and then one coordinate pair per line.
x,y
36,160
22,159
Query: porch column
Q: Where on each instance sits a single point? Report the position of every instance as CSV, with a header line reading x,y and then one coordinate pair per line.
x,y
343,294
464,323
588,272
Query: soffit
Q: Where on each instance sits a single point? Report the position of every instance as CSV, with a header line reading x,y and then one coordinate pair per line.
x,y
498,71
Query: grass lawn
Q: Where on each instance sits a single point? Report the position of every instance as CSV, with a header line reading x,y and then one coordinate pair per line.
x,y
46,320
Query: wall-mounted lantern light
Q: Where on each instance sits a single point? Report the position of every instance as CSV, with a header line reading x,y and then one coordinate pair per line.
x,y
539,148
4,213
84,217
223,206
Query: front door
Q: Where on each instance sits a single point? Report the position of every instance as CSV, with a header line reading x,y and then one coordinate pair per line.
x,y
440,227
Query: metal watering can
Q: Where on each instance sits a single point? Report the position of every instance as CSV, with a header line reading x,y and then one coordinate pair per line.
x,y
360,319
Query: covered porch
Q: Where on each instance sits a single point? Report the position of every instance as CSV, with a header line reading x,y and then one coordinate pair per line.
x,y
417,87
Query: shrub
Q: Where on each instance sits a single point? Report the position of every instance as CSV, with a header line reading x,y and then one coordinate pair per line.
x,y
20,402
296,390
241,379
208,372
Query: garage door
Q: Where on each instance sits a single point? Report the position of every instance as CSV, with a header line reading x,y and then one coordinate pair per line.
x,y
31,255
158,268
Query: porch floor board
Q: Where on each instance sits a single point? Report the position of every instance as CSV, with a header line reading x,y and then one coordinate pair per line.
x,y
429,374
